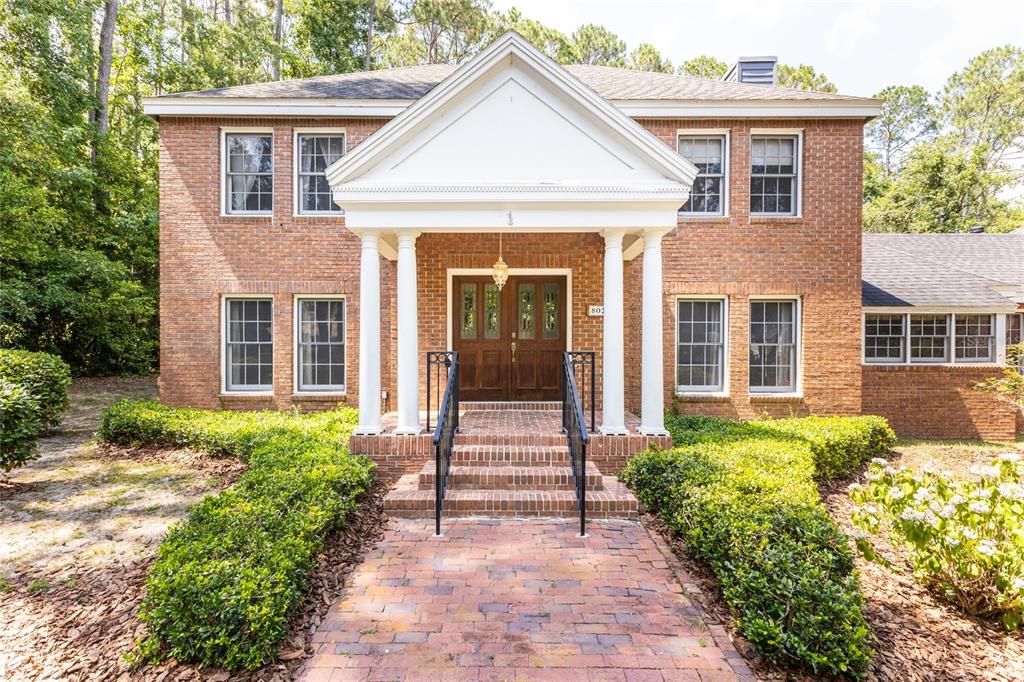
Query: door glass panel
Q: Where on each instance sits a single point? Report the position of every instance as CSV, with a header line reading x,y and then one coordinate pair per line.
x,y
527,312
492,312
468,314
550,328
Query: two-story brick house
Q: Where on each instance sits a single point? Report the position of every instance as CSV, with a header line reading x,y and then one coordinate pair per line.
x,y
319,235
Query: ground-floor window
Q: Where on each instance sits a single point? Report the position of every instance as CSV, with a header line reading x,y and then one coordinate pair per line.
x,y
700,348
321,344
883,338
1014,329
248,344
923,338
975,338
929,338
773,346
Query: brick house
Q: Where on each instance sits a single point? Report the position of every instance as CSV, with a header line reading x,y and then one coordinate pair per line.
x,y
319,236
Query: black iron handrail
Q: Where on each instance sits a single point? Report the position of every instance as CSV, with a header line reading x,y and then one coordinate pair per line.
x,y
581,360
444,436
576,434
436,359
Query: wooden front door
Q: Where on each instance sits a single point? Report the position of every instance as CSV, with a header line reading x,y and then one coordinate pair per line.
x,y
510,342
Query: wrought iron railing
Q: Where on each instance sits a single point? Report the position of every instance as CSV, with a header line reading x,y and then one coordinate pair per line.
x,y
575,426
582,365
439,368
444,435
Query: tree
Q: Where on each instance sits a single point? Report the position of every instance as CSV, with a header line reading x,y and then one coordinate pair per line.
x,y
803,77
1009,385
645,57
983,104
908,117
592,44
553,43
704,66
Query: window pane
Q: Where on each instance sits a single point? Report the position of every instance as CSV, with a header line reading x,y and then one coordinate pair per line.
x,y
883,338
249,179
321,345
468,314
1014,329
773,169
707,153
550,328
700,351
492,312
316,153
975,338
773,345
249,350
929,338
527,311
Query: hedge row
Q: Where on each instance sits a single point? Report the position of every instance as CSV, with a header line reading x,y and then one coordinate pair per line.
x,y
33,393
227,578
743,497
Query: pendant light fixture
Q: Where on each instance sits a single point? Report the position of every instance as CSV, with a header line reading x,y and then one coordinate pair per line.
x,y
500,271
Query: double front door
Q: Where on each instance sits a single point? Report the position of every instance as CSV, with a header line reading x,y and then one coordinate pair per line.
x,y
510,341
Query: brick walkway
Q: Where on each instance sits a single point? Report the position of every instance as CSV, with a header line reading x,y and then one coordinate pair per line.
x,y
520,599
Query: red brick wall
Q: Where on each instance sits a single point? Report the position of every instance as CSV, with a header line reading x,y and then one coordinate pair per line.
x,y
816,257
937,402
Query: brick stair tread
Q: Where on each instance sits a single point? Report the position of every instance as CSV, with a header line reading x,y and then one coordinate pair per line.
x,y
510,455
510,477
614,501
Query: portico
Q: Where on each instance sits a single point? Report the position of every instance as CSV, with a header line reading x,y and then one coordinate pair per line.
x,y
482,154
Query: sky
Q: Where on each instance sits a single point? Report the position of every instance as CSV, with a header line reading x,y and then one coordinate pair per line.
x,y
861,45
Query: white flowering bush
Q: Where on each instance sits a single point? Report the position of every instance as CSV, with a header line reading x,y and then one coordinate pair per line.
x,y
966,537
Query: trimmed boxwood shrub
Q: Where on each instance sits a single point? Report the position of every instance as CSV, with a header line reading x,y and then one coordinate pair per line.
x,y
46,377
743,498
227,578
19,425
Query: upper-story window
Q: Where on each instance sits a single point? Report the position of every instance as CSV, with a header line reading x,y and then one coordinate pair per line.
x,y
314,152
248,173
774,174
708,153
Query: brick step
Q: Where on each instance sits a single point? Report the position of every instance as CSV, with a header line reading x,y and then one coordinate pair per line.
x,y
510,455
468,437
505,406
614,501
510,478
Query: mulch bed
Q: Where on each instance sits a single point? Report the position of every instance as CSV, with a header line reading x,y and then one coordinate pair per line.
x,y
81,630
919,637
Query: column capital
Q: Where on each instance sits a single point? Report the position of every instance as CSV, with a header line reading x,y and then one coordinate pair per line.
x,y
370,238
407,238
653,235
613,237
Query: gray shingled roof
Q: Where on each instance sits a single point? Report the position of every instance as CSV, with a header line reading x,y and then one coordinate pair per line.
x,y
941,269
412,82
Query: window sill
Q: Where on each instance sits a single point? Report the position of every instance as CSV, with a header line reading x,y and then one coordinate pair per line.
x,y
775,397
697,397
769,219
949,365
326,396
698,218
248,216
247,395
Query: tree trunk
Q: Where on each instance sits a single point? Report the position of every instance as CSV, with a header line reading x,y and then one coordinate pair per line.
x,y
278,36
227,11
369,36
102,117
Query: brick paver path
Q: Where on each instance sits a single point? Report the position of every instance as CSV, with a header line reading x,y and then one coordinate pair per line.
x,y
518,599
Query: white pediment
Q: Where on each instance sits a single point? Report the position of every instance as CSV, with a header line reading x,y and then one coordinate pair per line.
x,y
509,127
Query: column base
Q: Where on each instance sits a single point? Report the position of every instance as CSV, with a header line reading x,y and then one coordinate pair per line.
x,y
613,430
647,431
408,431
368,431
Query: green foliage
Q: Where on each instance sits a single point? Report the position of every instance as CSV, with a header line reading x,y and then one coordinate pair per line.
x,y
908,117
593,44
19,425
743,498
646,57
1009,385
803,77
550,41
965,537
704,66
46,378
226,579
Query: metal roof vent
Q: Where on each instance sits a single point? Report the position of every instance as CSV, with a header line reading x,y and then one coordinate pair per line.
x,y
754,70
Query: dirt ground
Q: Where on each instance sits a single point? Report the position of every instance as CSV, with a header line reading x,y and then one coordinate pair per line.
x,y
79,528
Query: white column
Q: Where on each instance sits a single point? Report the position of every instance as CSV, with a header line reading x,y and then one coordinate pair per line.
x,y
369,335
613,420
652,409
408,343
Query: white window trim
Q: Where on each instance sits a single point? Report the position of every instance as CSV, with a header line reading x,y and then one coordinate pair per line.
x,y
999,329
686,391
798,384
726,167
235,130
904,341
798,133
297,211
296,359
224,390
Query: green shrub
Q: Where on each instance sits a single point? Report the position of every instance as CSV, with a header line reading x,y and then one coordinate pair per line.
x,y
228,577
19,425
965,537
46,377
743,497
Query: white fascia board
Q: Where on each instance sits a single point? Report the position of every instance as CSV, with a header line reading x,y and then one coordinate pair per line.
x,y
748,109
509,46
939,310
263,106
